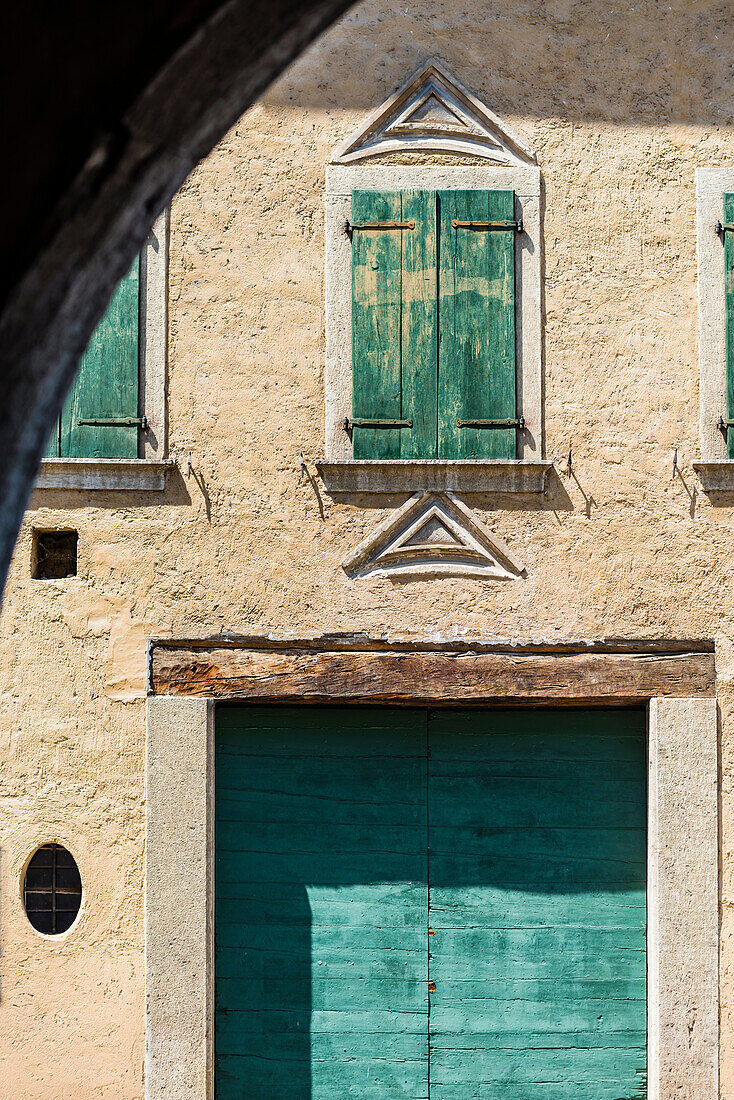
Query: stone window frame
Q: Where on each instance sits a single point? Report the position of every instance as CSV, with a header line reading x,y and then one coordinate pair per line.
x,y
715,469
147,472
683,869
339,471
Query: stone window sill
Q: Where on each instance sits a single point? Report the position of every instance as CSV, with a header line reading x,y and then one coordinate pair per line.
x,y
716,477
109,474
410,475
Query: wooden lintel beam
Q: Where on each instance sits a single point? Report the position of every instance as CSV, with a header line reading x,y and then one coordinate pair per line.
x,y
379,676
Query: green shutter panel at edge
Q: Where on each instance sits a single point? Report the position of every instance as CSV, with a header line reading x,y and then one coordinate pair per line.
x,y
476,356
52,443
729,291
106,385
394,318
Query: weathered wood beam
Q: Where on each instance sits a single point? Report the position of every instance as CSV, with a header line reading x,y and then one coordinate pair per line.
x,y
378,675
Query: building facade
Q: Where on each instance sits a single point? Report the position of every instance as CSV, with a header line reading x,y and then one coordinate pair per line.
x,y
368,642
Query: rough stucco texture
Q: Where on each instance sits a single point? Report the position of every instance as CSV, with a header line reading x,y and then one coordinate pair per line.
x,y
621,106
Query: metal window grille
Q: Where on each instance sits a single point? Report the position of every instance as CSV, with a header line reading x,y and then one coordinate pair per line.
x,y
52,890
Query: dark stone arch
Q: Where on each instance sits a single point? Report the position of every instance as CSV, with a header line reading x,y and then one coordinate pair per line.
x,y
106,110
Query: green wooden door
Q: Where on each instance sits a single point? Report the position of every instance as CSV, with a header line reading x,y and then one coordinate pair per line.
x,y
321,902
444,905
537,871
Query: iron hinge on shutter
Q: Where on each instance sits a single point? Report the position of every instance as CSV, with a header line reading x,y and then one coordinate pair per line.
x,y
361,422
351,227
724,425
508,422
516,225
114,422
722,228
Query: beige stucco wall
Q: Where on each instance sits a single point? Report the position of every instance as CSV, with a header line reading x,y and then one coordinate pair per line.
x,y
621,106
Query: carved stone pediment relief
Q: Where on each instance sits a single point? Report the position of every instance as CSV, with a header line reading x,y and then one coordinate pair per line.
x,y
433,534
434,112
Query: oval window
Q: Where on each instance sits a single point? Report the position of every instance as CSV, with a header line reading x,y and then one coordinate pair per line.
x,y
52,890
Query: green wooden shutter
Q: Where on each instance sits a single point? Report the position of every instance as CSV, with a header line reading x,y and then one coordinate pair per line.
x,y
52,444
407,286
394,318
476,359
729,290
106,385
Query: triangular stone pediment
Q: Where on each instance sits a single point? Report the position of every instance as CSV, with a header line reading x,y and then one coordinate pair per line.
x,y
434,115
431,112
433,534
434,112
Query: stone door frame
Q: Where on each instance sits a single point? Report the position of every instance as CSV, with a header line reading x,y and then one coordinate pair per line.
x,y
676,681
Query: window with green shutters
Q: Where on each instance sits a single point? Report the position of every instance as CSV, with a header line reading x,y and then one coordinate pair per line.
x,y
728,232
101,418
433,325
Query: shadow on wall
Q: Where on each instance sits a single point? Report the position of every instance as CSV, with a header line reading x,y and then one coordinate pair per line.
x,y
648,63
